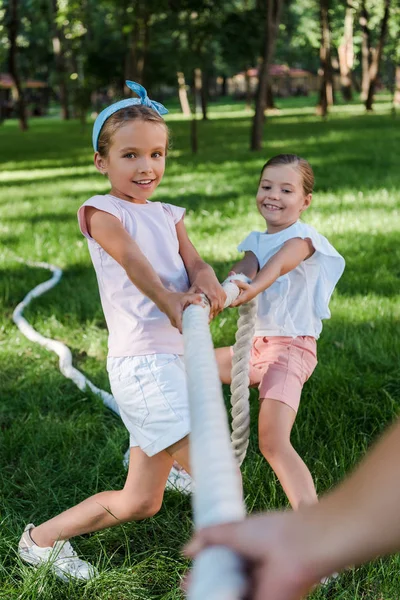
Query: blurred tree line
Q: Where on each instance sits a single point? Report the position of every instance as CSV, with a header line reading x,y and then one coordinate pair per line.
x,y
78,47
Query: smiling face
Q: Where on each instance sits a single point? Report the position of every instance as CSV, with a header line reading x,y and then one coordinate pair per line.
x,y
135,162
280,197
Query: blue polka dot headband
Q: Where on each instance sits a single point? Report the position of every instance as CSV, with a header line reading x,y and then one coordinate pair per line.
x,y
143,99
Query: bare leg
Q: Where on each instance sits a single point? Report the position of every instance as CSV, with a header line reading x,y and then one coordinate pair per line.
x,y
180,452
141,497
224,361
274,427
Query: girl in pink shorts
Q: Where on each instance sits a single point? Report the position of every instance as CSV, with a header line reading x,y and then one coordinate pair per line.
x,y
294,270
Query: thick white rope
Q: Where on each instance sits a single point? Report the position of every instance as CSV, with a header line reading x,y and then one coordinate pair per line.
x,y
217,572
63,352
240,373
240,379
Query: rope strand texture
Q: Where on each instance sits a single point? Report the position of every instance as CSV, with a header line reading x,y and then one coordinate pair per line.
x,y
240,380
240,370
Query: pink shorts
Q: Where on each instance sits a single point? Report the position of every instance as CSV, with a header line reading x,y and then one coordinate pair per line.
x,y
280,366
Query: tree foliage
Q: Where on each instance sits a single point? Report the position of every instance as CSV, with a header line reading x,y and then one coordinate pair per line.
x,y
81,46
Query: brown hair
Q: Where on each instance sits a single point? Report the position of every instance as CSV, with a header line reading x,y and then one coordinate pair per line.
x,y
301,164
122,116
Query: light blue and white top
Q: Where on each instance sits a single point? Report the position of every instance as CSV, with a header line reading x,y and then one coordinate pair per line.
x,y
295,304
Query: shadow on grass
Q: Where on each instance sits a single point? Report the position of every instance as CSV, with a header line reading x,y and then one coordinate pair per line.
x,y
307,132
54,217
60,178
61,445
372,267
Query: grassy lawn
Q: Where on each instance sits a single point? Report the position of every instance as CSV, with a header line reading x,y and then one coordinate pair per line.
x,y
59,445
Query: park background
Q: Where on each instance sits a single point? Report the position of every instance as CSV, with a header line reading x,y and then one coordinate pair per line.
x,y
243,81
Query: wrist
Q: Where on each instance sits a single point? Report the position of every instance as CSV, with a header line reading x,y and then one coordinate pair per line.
x,y
322,540
256,288
202,270
160,298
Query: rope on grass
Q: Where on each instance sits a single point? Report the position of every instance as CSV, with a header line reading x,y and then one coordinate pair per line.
x,y
63,352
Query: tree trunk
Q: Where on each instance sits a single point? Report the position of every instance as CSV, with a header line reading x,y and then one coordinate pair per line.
x,y
224,86
365,50
270,34
396,96
247,88
183,97
138,44
18,93
131,55
60,64
2,107
326,89
204,94
270,100
346,54
196,95
376,57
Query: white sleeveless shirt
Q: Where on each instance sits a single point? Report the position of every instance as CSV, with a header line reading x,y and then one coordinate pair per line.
x,y
295,304
136,325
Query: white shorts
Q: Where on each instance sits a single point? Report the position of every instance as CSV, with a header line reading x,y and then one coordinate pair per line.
x,y
151,393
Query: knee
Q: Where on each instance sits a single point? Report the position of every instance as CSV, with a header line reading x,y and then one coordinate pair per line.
x,y
273,447
136,509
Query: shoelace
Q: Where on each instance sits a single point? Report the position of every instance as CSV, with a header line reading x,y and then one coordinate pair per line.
x,y
68,554
69,558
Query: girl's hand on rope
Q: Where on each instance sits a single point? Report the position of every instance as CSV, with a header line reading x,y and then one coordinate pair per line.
x,y
174,303
247,292
208,284
274,549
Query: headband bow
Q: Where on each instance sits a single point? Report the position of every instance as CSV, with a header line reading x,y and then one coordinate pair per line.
x,y
143,99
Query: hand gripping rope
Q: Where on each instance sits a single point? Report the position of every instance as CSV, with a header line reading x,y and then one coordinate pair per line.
x,y
217,572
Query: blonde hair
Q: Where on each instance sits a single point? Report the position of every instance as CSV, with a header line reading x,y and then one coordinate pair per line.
x,y
123,116
301,164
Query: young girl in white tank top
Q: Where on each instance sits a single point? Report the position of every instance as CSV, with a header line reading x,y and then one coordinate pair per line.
x,y
148,271
294,270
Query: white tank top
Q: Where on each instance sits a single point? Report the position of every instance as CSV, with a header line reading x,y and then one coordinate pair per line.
x,y
295,304
135,324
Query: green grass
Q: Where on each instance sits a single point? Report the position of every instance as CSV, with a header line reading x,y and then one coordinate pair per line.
x,y
59,445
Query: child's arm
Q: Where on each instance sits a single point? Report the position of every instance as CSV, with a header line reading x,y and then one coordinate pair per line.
x,y
248,265
108,231
292,253
201,275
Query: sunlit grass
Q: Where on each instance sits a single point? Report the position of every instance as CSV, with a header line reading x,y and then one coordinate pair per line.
x,y
59,445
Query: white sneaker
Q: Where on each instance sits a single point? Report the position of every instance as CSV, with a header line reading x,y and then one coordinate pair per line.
x,y
325,581
62,558
179,480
